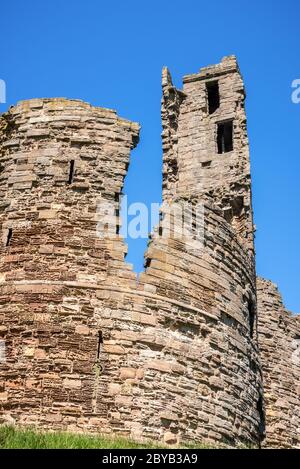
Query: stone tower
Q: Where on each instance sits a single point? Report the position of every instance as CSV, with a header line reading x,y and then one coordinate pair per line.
x,y
206,161
171,356
206,152
60,160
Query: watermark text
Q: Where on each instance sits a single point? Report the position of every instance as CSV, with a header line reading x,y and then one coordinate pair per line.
x,y
2,92
296,93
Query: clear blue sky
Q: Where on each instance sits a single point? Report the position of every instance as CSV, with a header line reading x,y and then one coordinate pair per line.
x,y
110,53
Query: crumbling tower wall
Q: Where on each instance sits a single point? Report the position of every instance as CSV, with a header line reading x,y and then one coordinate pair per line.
x,y
60,161
195,164
171,356
215,282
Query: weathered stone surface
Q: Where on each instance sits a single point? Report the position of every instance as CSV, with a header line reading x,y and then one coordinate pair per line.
x,y
170,438
172,357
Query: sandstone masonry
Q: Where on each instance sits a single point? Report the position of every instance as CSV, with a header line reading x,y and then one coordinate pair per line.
x,y
279,340
181,353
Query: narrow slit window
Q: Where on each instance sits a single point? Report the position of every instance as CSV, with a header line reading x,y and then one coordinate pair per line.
x,y
213,96
252,316
71,171
9,237
100,341
262,422
225,137
117,215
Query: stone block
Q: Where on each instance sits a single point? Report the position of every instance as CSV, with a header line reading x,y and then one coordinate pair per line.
x,y
47,214
82,329
72,383
127,373
170,438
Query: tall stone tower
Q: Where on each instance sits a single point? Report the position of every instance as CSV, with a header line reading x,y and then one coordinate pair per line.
x,y
206,153
170,356
206,161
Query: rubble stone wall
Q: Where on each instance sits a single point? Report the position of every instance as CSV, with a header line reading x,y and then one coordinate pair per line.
x,y
279,341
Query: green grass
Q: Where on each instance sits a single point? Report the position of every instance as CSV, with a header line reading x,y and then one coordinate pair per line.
x,y
15,438
29,438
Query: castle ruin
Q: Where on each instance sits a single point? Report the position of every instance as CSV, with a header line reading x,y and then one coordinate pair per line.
x,y
194,349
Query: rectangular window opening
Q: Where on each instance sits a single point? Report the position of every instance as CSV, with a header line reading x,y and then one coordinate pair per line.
x,y
71,172
9,236
213,96
225,137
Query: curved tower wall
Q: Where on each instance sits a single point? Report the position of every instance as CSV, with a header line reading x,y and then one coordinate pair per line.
x,y
60,161
216,280
171,356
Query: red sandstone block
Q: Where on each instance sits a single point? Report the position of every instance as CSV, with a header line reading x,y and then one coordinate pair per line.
x,y
40,354
114,349
61,251
46,249
82,329
143,318
72,383
47,214
177,368
127,373
12,258
160,365
3,396
124,401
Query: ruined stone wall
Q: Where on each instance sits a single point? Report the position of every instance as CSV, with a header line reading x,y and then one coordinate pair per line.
x,y
192,166
279,341
51,252
172,355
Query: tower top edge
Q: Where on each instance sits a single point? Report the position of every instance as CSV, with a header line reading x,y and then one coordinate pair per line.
x,y
62,104
227,65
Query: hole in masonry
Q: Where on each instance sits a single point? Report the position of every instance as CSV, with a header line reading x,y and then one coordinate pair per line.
x,y
100,341
225,136
9,237
252,316
262,423
71,171
213,96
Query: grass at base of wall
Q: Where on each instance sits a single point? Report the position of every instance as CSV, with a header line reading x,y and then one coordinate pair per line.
x,y
19,438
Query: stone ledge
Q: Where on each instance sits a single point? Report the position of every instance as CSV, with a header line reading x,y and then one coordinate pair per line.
x,y
111,288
